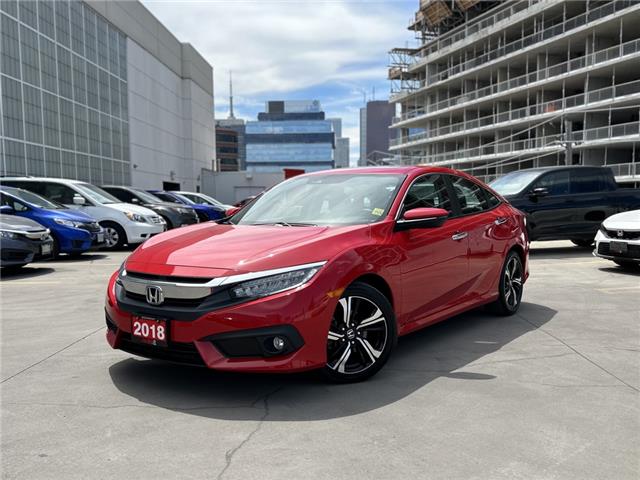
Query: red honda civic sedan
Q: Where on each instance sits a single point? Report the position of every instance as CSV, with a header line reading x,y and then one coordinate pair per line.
x,y
323,271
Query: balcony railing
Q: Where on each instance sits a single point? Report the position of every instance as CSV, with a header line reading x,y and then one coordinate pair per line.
x,y
532,39
549,143
552,107
626,169
617,52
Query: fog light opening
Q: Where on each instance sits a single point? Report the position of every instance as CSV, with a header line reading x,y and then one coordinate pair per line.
x,y
279,344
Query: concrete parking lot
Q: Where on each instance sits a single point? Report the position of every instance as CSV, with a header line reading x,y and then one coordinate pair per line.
x,y
551,393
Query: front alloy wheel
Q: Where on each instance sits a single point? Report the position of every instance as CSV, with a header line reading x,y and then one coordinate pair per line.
x,y
114,235
361,335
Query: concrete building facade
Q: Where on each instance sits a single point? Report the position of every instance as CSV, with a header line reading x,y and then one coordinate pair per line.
x,y
375,119
101,91
499,86
226,150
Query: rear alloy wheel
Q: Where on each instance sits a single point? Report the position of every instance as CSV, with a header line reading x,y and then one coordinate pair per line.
x,y
114,235
511,286
361,335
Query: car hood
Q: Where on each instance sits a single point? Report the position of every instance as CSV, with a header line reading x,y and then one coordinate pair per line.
x,y
12,222
69,214
130,207
211,249
623,221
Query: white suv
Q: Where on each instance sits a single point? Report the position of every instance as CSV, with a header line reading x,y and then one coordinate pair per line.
x,y
123,223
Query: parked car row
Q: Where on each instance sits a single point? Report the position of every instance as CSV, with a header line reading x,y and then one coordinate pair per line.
x,y
577,203
79,216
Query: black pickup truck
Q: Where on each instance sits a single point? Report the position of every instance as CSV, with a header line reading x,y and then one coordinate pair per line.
x,y
566,203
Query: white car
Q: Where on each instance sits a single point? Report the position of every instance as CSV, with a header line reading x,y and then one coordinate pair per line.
x,y
123,223
619,239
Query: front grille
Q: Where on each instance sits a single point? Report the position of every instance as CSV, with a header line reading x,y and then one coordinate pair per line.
x,y
14,255
633,251
174,352
626,234
168,302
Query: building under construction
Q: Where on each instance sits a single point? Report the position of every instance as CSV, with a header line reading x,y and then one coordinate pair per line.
x,y
496,86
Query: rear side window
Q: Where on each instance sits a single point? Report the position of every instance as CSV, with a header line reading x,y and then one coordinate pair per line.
x,y
556,183
429,191
588,181
35,187
16,205
471,197
492,199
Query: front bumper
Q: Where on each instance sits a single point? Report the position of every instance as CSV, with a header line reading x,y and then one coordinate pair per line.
x,y
139,232
603,249
24,251
237,338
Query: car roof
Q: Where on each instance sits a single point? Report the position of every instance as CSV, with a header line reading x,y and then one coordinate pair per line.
x,y
560,167
44,179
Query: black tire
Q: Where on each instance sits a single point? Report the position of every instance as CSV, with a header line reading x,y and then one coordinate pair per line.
x,y
627,265
582,243
13,268
114,235
510,286
356,352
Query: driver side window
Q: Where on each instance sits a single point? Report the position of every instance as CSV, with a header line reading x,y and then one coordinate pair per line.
x,y
429,191
17,206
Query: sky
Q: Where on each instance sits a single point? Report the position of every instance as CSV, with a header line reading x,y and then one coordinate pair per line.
x,y
334,51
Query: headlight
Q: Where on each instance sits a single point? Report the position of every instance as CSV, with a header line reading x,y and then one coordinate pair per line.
x,y
67,223
5,234
134,217
265,286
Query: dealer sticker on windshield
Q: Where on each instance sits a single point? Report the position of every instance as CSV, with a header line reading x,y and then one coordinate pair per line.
x,y
377,212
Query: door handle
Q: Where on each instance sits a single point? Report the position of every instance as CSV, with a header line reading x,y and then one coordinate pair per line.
x,y
459,236
500,220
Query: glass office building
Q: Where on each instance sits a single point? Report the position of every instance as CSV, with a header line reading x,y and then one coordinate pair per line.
x,y
89,94
291,134
64,93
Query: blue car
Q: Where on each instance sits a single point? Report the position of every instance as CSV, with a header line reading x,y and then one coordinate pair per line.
x,y
73,232
205,212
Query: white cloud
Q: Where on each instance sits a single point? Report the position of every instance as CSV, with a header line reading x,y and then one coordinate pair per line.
x,y
276,46
278,49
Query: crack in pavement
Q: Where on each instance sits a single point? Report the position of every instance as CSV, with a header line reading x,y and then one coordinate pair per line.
x,y
53,354
232,452
538,327
129,405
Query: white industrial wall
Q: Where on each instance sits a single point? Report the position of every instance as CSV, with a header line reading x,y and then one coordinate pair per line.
x,y
171,124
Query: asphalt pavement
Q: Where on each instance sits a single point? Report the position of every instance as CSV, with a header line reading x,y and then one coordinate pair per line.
x,y
551,393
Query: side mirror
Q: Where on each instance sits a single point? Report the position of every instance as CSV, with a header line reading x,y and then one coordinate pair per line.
x,y
422,218
7,210
78,199
539,192
232,211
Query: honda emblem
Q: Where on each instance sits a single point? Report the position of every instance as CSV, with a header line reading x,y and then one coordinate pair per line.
x,y
154,295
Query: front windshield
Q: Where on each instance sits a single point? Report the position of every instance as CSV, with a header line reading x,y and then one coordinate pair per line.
x,y
514,182
145,196
96,193
330,199
36,200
